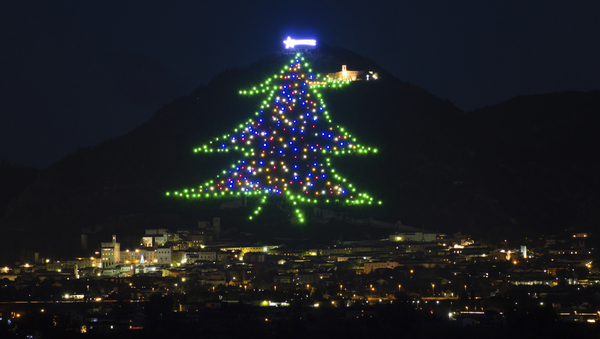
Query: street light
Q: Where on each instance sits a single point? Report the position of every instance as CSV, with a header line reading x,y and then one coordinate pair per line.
x,y
433,289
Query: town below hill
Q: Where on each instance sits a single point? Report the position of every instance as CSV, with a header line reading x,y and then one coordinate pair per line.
x,y
191,282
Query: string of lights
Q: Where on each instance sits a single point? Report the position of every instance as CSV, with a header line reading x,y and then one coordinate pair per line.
x,y
287,146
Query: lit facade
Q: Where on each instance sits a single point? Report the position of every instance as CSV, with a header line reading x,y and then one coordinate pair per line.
x,y
163,255
111,252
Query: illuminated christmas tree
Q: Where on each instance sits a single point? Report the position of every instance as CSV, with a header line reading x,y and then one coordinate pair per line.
x,y
286,148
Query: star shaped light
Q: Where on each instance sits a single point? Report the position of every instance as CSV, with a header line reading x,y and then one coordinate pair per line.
x,y
291,43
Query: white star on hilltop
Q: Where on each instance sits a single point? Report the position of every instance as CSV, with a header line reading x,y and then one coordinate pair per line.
x,y
291,43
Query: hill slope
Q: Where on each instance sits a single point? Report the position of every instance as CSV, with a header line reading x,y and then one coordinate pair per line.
x,y
437,166
540,155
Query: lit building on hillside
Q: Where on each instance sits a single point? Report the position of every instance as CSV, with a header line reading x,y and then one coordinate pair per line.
x,y
413,236
111,252
346,75
163,255
138,256
372,266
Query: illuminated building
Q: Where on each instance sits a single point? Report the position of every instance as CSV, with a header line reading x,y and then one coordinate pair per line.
x,y
372,266
346,75
111,252
414,236
164,255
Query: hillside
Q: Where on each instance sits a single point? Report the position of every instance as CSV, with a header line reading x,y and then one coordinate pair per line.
x,y
14,179
539,154
437,166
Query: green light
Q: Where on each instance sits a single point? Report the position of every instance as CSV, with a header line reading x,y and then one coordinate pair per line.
x,y
266,101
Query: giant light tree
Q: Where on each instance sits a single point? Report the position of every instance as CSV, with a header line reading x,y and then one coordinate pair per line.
x,y
286,148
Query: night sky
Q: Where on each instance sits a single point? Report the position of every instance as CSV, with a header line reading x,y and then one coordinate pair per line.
x,y
78,73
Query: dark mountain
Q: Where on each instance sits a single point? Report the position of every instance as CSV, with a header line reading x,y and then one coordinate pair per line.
x,y
14,178
540,154
437,167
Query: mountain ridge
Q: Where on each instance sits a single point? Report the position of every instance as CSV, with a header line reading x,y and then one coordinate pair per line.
x,y
431,169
